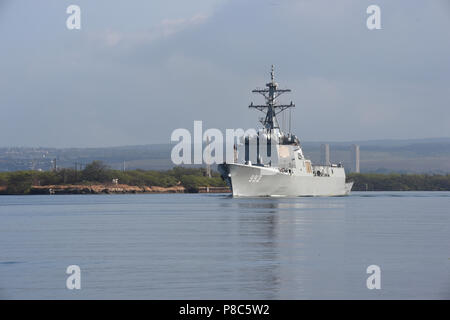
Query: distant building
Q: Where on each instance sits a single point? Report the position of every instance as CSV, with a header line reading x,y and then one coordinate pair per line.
x,y
325,154
355,158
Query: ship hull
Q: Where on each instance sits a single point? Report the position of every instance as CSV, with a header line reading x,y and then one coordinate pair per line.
x,y
255,181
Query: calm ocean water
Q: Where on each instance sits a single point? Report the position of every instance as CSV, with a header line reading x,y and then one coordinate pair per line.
x,y
210,246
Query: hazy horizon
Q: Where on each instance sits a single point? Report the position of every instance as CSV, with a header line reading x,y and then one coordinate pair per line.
x,y
338,142
133,74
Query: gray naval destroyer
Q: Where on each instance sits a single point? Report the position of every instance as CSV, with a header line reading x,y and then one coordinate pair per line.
x,y
270,163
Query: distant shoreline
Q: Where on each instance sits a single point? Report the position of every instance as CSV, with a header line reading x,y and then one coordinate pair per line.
x,y
112,189
127,189
97,178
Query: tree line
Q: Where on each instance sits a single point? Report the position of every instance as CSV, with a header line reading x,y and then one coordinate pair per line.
x,y
399,182
20,182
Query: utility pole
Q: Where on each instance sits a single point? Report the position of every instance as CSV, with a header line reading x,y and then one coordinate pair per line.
x,y
33,164
53,162
76,171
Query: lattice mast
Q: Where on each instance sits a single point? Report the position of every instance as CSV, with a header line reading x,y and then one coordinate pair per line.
x,y
271,108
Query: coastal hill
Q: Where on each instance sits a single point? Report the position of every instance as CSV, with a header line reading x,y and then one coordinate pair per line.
x,y
430,156
382,156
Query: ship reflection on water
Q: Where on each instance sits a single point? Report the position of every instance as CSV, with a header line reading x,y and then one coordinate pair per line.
x,y
295,242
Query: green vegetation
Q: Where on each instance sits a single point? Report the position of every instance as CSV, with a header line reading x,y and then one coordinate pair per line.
x,y
399,182
20,182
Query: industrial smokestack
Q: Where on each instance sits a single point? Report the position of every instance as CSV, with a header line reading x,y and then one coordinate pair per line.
x,y
325,154
355,158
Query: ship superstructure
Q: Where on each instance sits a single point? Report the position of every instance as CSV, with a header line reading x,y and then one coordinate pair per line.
x,y
271,162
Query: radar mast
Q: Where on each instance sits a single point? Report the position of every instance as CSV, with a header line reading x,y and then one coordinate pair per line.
x,y
271,108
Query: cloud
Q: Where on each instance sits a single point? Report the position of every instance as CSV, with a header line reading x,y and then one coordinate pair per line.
x,y
163,30
134,83
172,26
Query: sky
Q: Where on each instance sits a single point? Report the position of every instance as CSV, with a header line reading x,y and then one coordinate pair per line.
x,y
137,70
